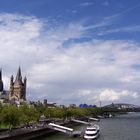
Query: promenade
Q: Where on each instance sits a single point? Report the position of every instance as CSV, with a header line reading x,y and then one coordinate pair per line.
x,y
30,132
24,133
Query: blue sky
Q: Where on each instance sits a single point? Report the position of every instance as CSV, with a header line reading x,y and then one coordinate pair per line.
x,y
73,51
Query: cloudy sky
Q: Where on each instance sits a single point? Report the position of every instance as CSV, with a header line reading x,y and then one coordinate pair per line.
x,y
73,51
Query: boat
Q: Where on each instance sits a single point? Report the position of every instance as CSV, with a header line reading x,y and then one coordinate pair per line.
x,y
92,132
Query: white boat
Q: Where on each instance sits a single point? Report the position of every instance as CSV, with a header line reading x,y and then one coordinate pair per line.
x,y
92,132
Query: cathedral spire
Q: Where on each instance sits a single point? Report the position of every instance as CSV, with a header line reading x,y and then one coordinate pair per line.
x,y
0,74
18,73
18,79
1,82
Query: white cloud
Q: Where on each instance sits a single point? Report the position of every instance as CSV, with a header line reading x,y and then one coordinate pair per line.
x,y
85,4
121,29
105,96
109,95
67,73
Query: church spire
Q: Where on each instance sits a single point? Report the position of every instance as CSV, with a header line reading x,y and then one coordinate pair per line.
x,y
1,82
18,79
18,73
0,74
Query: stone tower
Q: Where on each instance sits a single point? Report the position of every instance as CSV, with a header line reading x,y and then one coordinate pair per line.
x,y
1,82
17,87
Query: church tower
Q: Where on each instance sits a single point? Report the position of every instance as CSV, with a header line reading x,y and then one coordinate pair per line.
x,y
18,87
1,82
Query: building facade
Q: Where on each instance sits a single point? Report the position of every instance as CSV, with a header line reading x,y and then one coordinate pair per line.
x,y
17,87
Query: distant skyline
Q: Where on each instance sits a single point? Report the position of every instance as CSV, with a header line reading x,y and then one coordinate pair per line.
x,y
73,51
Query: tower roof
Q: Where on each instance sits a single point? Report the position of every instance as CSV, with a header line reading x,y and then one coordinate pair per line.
x,y
0,74
1,82
18,80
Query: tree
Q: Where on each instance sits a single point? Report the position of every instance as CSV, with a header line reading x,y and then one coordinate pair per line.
x,y
40,108
28,114
10,116
57,112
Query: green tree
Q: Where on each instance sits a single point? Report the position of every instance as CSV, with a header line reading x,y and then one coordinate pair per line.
x,y
10,116
28,114
57,112
40,108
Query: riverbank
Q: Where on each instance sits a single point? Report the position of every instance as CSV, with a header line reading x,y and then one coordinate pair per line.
x,y
121,127
30,133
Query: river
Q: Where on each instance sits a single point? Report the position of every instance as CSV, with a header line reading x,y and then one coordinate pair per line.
x,y
124,127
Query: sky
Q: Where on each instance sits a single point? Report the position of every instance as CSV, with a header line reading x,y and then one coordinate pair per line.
x,y
73,51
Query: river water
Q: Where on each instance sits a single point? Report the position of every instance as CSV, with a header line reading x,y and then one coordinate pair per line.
x,y
124,127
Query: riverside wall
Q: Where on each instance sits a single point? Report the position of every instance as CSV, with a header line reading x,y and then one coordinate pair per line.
x,y
31,134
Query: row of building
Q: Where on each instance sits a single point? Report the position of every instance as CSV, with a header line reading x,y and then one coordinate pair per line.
x,y
17,89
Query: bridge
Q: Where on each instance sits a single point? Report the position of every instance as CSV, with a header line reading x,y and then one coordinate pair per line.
x,y
120,108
